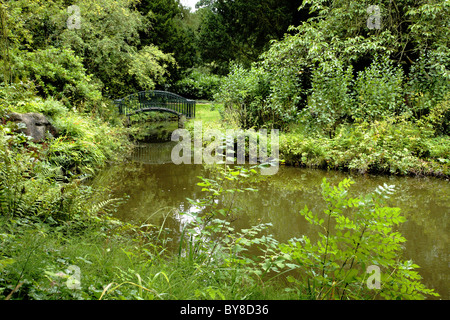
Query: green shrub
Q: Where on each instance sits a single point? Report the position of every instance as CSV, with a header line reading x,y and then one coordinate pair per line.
x,y
356,233
429,85
85,144
49,107
197,84
439,117
330,101
245,94
378,91
297,148
289,77
29,185
395,146
48,221
59,73
16,94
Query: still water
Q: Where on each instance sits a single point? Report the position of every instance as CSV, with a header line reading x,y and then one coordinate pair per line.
x,y
157,191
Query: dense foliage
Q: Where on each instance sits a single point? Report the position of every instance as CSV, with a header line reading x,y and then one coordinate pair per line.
x,y
107,44
334,74
241,30
367,74
197,84
344,95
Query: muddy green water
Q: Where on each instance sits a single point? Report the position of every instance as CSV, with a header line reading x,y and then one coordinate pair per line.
x,y
158,189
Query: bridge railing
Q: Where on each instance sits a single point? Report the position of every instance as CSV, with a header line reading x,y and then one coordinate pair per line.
x,y
155,100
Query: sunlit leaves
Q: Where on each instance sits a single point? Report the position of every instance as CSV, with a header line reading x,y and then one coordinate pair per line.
x,y
149,66
59,73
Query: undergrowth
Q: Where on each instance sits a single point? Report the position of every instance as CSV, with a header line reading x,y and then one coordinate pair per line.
x,y
388,146
58,243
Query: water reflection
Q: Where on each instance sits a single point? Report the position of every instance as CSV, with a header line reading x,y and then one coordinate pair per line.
x,y
157,189
155,153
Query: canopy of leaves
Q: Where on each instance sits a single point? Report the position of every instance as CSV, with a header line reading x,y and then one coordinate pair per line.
x,y
107,43
330,65
241,30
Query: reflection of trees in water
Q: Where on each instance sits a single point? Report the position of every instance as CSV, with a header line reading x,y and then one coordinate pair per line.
x,y
155,153
424,201
153,126
282,196
153,190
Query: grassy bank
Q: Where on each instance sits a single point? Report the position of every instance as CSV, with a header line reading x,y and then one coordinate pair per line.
x,y
401,148
47,219
58,242
395,146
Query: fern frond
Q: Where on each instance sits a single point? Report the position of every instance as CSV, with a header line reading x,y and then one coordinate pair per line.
x,y
96,208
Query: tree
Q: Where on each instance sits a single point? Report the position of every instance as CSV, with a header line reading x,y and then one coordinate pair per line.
x,y
413,34
214,42
241,30
59,73
165,25
107,41
148,66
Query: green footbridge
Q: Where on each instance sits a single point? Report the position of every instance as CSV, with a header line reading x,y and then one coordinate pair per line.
x,y
156,100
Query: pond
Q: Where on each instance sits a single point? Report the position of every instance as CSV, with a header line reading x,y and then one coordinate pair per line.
x,y
157,191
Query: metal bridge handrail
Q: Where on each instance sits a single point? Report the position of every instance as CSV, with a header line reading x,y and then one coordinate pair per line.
x,y
156,100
